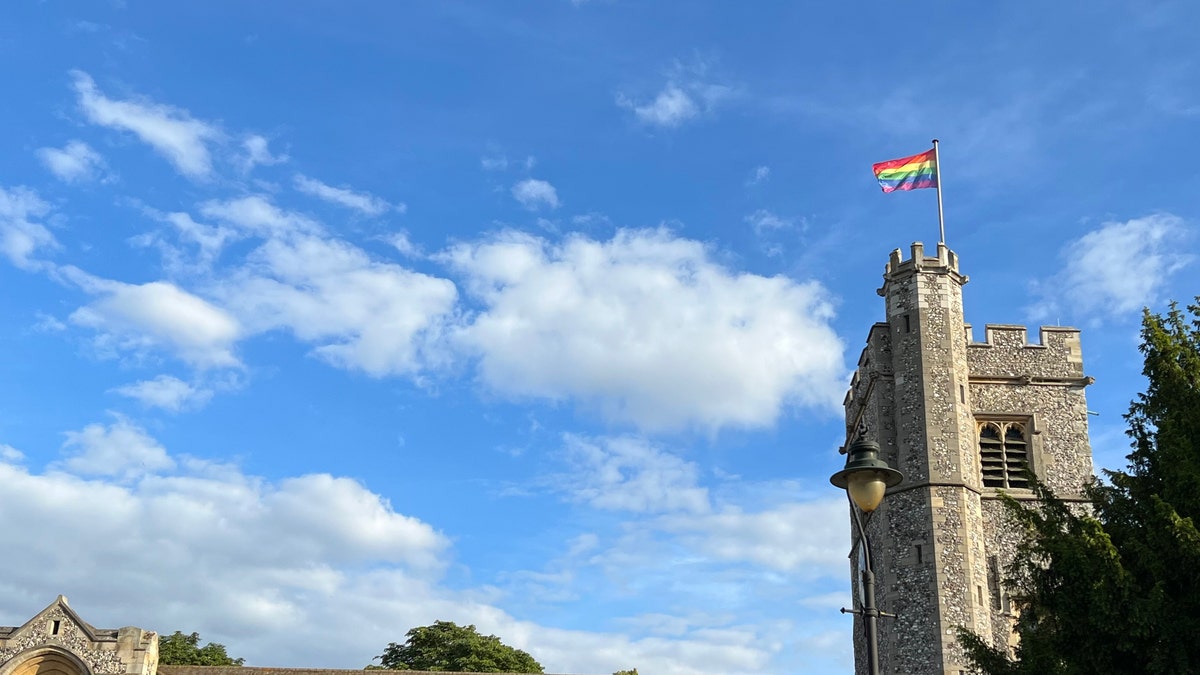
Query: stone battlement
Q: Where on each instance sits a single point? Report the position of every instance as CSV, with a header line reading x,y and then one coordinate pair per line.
x,y
1007,352
1013,335
944,258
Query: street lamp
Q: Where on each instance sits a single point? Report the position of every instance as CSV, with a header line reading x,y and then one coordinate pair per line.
x,y
866,479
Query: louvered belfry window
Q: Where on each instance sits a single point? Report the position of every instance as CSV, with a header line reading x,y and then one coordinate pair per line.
x,y
1004,454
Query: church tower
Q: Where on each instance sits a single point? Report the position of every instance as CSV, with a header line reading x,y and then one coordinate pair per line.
x,y
961,419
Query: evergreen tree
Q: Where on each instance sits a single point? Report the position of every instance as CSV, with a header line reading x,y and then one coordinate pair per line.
x,y
1117,590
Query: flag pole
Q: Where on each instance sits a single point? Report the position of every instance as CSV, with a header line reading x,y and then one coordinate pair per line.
x,y
937,167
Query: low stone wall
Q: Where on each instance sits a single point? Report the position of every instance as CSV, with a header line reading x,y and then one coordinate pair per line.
x,y
239,670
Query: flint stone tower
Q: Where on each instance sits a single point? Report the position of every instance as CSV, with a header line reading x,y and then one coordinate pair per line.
x,y
961,419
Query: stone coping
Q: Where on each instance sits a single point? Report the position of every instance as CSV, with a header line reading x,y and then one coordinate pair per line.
x,y
253,670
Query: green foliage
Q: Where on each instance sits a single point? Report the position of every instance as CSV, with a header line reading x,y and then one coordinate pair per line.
x,y
178,649
445,646
626,672
1118,590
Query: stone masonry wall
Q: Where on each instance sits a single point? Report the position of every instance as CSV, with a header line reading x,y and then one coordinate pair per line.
x,y
124,651
1044,383
252,670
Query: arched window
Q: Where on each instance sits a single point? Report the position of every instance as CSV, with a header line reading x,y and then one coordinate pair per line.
x,y
1004,454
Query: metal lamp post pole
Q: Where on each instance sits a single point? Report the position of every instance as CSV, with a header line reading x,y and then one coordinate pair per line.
x,y
870,612
865,480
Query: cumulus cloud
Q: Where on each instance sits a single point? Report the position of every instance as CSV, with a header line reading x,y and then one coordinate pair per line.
x,y
1116,269
159,315
534,193
403,245
166,392
380,318
208,239
256,152
20,235
756,524
121,450
272,564
363,202
798,536
630,474
376,317
76,162
687,95
647,328
256,215
670,108
172,132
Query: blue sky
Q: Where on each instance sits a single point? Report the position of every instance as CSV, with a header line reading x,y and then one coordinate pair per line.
x,y
323,323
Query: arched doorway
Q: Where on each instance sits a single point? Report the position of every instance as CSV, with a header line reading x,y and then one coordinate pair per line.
x,y
45,661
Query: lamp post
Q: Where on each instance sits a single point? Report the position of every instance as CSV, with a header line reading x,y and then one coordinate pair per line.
x,y
866,479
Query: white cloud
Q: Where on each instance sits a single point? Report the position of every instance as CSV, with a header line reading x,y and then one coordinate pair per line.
x,y
493,162
173,132
166,392
273,564
647,328
630,474
763,220
377,317
20,237
404,245
1116,269
811,537
48,323
362,202
77,162
687,95
257,153
179,258
759,175
159,314
10,454
208,239
255,214
498,161
670,108
121,450
534,193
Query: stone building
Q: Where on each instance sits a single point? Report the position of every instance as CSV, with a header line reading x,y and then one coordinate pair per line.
x,y
57,642
961,419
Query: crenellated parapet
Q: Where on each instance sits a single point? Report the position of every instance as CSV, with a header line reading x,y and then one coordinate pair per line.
x,y
1007,354
944,261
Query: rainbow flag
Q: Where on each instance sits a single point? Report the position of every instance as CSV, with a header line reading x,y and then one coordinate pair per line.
x,y
908,173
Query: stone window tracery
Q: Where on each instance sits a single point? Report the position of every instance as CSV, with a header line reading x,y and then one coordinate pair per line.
x,y
1004,454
